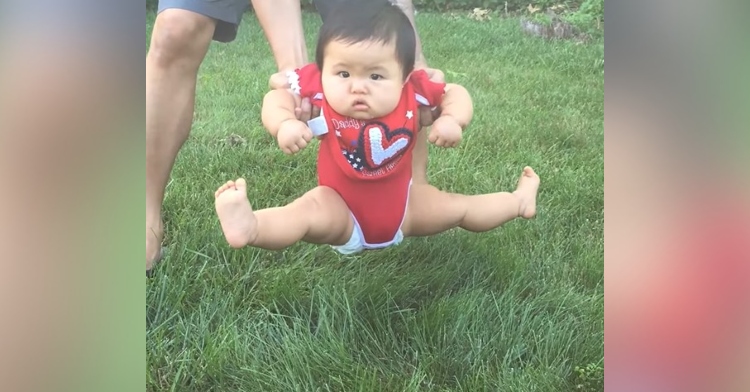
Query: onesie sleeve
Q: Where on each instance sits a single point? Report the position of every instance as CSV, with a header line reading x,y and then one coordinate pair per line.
x,y
306,83
428,93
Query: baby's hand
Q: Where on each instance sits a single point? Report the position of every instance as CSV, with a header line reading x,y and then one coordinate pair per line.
x,y
293,136
446,132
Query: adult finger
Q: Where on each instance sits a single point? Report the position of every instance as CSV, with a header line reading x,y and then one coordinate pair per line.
x,y
435,75
298,106
305,109
426,117
278,81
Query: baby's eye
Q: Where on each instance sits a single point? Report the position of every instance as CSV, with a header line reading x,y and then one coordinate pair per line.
x,y
343,74
376,77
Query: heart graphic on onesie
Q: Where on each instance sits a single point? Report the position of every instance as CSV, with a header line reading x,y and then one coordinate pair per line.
x,y
381,145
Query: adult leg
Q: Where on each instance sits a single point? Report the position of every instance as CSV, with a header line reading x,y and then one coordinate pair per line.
x,y
431,211
320,216
181,35
408,7
281,21
420,153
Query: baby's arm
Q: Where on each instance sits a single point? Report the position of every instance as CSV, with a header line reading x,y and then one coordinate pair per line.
x,y
457,111
457,104
280,121
278,106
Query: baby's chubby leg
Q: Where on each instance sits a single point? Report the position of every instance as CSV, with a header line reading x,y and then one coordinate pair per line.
x,y
431,211
319,216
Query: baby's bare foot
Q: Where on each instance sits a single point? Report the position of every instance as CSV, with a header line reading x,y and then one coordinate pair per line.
x,y
235,213
528,185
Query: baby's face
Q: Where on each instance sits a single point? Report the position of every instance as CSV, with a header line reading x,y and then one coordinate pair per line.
x,y
362,80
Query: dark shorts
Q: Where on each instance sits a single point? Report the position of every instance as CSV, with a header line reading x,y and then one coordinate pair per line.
x,y
228,13
324,7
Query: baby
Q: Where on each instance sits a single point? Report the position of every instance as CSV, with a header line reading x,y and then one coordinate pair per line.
x,y
369,94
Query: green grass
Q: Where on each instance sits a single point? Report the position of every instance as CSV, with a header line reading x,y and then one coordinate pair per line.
x,y
514,309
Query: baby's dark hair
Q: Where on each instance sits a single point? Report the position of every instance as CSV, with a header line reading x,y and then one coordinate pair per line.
x,y
354,21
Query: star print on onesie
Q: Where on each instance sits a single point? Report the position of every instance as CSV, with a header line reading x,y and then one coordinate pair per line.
x,y
369,162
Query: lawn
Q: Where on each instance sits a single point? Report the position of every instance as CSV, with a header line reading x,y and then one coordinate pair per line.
x,y
514,309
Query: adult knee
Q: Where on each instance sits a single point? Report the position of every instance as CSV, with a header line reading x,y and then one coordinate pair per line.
x,y
180,37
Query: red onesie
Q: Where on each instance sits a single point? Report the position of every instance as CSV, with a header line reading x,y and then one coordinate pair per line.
x,y
369,163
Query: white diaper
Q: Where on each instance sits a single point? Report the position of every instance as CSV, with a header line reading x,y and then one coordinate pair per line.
x,y
357,242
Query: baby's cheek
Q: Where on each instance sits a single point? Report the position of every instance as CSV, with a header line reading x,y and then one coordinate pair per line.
x,y
389,98
337,99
